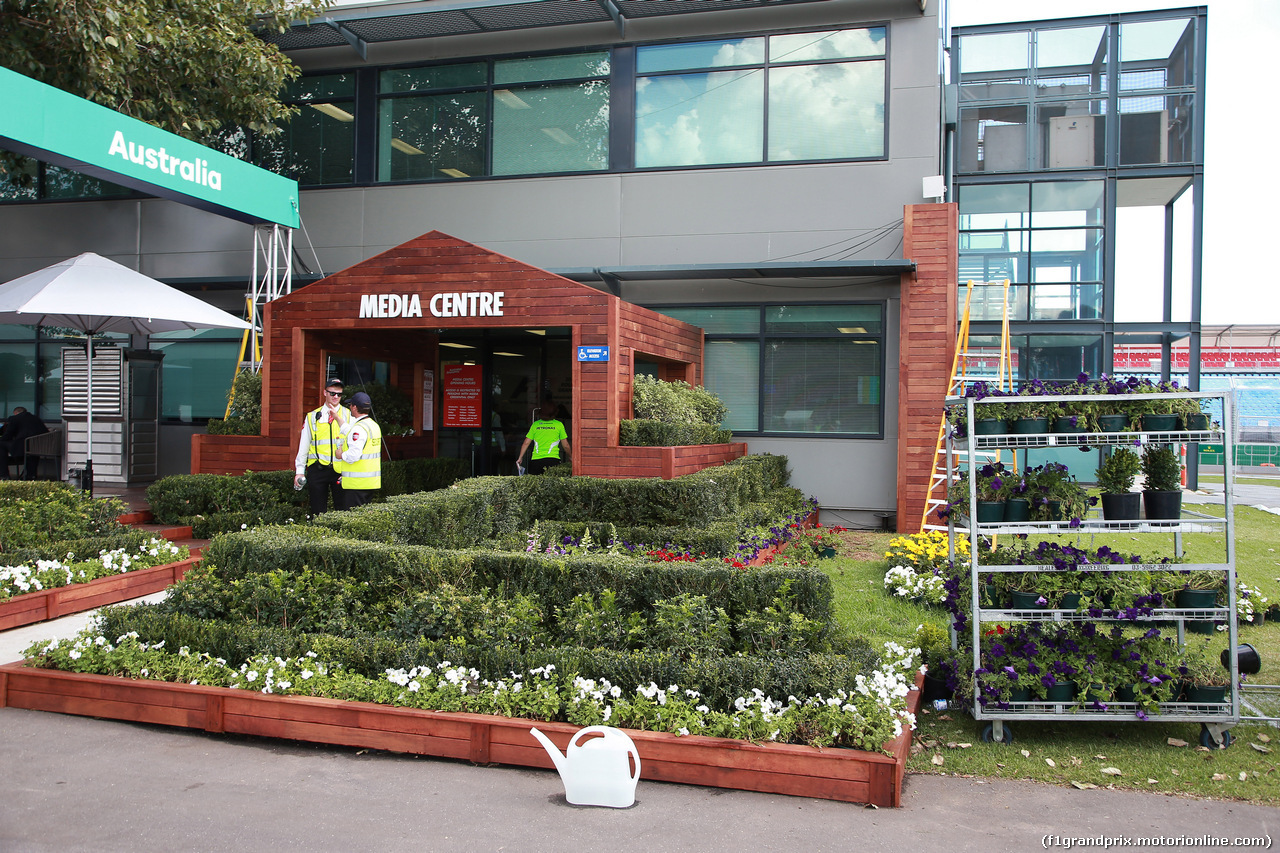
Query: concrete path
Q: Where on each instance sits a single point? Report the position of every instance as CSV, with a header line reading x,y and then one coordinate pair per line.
x,y
76,784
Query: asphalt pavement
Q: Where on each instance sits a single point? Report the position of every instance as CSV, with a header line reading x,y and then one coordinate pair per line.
x,y
78,784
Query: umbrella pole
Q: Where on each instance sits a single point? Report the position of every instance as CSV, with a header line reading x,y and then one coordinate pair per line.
x,y
88,449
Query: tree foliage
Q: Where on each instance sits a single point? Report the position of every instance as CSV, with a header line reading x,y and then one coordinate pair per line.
x,y
192,67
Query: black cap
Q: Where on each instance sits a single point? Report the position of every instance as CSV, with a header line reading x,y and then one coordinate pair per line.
x,y
362,400
333,383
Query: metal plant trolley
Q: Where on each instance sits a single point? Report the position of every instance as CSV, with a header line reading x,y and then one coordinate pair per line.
x,y
974,450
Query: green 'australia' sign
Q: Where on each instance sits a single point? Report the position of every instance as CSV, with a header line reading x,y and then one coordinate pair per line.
x,y
47,123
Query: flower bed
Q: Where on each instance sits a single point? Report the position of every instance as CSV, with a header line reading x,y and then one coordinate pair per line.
x,y
81,590
848,775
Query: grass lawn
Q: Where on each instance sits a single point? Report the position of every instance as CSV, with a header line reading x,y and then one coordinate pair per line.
x,y
1152,756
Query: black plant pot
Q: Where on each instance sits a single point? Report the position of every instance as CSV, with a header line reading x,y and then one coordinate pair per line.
x,y
1113,423
1017,509
1030,426
934,688
1122,507
1196,423
1159,423
990,426
1064,425
1247,659
1163,505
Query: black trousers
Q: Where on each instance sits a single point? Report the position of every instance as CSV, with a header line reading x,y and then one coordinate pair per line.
x,y
322,481
7,451
352,498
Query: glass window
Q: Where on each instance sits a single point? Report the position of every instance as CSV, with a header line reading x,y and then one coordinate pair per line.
x,y
553,128
719,320
17,376
822,386
1072,134
1169,45
23,182
196,372
432,137
731,371
822,370
820,106
64,183
822,112
1066,204
707,54
459,76
542,68
317,146
993,139
995,206
836,44
1071,61
700,119
823,319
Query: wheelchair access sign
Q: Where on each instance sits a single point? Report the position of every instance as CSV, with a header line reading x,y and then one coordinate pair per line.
x,y
593,353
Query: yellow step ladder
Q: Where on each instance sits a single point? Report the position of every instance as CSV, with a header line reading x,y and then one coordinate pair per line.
x,y
939,475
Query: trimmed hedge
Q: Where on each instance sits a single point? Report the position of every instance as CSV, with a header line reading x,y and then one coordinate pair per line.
x,y
399,569
650,433
747,491
79,549
720,679
215,503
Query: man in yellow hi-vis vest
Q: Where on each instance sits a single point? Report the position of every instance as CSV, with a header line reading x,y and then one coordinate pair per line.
x,y
318,446
360,462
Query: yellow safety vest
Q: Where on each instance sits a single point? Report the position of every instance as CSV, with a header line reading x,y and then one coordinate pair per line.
x,y
365,472
326,438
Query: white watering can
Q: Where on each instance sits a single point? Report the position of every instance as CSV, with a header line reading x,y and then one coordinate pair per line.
x,y
596,772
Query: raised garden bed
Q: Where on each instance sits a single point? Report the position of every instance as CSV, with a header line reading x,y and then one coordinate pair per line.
x,y
847,775
47,604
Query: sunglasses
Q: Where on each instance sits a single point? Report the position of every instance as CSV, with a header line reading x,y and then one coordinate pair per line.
x,y
333,393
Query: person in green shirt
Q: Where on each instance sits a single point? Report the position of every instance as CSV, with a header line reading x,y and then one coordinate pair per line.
x,y
546,435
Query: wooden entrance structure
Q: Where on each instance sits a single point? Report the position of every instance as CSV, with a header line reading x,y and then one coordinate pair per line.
x,y
399,290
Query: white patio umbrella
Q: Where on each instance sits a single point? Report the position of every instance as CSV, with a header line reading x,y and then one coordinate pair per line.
x,y
93,294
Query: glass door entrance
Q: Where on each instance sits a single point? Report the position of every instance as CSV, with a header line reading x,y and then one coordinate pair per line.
x,y
514,371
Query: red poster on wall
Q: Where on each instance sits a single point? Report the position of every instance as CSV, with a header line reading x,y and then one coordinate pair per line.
x,y
461,388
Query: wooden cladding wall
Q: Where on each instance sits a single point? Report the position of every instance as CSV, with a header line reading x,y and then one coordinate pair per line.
x,y
927,339
302,328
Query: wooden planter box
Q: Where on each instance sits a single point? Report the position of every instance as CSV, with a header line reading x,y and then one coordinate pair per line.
x,y
833,774
49,604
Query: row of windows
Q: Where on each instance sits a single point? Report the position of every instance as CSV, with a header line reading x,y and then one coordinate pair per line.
x,y
1039,98
788,369
779,98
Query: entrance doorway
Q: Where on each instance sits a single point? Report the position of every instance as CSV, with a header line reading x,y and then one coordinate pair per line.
x,y
517,370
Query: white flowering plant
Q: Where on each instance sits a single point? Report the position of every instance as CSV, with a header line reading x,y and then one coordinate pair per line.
x,y
37,575
867,717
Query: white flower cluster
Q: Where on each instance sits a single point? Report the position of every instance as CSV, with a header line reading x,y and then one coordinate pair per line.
x,y
1249,601
274,674
48,574
907,582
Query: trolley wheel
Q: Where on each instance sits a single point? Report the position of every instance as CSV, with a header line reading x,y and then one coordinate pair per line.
x,y
988,733
1206,738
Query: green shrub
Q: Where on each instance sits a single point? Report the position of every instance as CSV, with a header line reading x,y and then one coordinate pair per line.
x,y
719,678
245,398
687,625
12,491
675,402
392,408
58,513
475,618
599,623
78,549
652,433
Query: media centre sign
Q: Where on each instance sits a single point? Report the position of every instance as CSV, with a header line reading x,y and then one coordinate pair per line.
x,y
481,303
46,123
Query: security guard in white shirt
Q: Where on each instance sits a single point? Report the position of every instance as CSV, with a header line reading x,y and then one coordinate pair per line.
x,y
319,444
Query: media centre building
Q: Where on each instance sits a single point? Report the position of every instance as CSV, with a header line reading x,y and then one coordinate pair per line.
x,y
502,200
